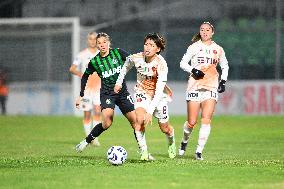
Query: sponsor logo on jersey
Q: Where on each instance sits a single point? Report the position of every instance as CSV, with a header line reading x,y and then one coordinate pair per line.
x,y
111,72
207,60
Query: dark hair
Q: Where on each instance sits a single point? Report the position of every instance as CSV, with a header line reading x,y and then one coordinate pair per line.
x,y
158,40
197,36
102,34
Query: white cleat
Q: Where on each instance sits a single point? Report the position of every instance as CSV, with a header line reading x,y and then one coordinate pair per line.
x,y
145,156
150,157
182,149
181,152
198,156
81,146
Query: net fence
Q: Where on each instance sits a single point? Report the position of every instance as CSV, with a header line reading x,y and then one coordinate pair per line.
x,y
36,51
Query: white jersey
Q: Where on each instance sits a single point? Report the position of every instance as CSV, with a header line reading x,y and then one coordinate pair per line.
x,y
81,61
205,58
151,77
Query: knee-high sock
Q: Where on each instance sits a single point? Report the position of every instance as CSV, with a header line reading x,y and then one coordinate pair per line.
x,y
171,137
87,127
96,131
204,133
186,132
141,140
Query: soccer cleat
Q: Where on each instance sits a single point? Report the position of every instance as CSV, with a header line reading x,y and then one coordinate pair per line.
x,y
81,146
145,156
96,142
182,148
150,157
198,156
172,150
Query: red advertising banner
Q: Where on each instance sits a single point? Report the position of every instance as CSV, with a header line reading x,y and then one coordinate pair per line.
x,y
252,98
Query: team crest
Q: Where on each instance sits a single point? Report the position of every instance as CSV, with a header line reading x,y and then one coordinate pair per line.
x,y
108,101
114,61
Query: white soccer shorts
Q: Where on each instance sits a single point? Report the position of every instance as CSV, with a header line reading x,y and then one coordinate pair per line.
x,y
201,95
142,100
90,99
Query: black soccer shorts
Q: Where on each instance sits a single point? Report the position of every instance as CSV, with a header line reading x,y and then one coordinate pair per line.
x,y
123,100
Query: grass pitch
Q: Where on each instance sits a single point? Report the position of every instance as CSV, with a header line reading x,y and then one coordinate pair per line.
x,y
242,152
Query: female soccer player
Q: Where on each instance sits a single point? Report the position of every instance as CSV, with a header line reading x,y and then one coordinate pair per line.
x,y
151,93
91,99
202,91
107,64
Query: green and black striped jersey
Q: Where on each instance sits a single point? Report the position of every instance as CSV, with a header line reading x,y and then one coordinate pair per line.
x,y
108,68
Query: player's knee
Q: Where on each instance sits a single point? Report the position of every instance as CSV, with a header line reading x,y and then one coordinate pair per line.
x,y
140,119
205,121
191,123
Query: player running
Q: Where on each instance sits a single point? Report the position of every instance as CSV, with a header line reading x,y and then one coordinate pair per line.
x,y
202,91
91,100
108,64
151,92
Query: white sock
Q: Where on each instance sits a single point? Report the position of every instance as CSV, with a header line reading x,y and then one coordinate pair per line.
x,y
141,140
186,132
171,138
87,128
204,133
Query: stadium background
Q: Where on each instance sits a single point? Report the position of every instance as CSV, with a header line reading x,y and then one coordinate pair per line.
x,y
36,52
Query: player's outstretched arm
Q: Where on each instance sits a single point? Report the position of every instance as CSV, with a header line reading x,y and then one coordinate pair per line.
x,y
125,68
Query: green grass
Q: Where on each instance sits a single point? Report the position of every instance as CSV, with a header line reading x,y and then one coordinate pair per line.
x,y
242,152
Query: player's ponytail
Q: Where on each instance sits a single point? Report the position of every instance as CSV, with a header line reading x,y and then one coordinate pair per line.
x,y
196,37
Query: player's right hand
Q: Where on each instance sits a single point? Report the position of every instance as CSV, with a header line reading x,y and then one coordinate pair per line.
x,y
197,74
78,102
117,88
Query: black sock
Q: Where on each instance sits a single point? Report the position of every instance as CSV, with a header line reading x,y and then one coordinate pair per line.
x,y
96,131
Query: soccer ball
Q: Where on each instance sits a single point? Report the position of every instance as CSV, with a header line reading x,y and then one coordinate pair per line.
x,y
116,155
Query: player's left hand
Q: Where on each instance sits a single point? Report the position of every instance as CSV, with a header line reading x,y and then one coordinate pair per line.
x,y
148,119
117,88
221,87
78,102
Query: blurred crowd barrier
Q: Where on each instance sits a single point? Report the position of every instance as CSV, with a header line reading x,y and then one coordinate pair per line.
x,y
241,98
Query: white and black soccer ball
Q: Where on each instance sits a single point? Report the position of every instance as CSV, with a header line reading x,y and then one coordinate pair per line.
x,y
116,155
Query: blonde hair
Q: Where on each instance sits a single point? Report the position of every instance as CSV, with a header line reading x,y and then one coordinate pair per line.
x,y
197,36
92,33
102,34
